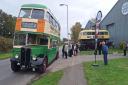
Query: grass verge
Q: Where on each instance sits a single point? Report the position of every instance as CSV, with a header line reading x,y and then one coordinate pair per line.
x,y
5,55
114,50
49,79
111,51
116,73
86,52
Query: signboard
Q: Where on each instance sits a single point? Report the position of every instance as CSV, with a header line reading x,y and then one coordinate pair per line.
x,y
98,19
99,16
125,8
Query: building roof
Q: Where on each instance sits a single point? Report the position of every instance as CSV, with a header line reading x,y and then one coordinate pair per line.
x,y
90,24
33,6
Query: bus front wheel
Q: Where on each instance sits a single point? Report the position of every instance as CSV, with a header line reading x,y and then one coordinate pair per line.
x,y
15,67
43,66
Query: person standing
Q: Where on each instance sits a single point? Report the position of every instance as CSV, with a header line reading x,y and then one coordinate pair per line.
x,y
66,50
77,47
74,50
100,47
70,50
125,48
63,51
105,52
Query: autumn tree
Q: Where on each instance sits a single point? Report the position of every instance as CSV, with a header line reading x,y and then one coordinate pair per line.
x,y
75,30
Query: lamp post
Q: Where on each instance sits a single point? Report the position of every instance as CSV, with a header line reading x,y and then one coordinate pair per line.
x,y
67,20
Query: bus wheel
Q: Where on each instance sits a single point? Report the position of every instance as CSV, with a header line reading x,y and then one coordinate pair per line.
x,y
15,67
42,68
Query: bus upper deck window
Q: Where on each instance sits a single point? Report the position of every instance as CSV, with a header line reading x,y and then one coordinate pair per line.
x,y
89,33
25,13
37,14
84,33
93,33
106,33
101,33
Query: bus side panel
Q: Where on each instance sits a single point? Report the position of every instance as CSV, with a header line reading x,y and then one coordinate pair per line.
x,y
39,51
50,29
47,27
52,52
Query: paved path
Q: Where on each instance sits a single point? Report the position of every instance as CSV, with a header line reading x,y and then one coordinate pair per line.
x,y
73,76
64,63
73,70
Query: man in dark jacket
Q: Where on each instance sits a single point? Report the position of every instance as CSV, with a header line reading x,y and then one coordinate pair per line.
x,y
105,52
100,47
125,48
63,51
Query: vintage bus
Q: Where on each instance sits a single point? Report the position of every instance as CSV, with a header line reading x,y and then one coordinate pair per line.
x,y
87,38
36,38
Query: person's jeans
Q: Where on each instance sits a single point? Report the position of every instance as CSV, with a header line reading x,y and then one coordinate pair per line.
x,y
100,51
65,53
124,52
105,59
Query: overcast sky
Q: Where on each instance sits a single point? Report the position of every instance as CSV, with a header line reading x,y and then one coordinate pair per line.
x,y
79,10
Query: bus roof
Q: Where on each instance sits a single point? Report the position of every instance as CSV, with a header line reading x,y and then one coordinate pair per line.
x,y
94,31
39,6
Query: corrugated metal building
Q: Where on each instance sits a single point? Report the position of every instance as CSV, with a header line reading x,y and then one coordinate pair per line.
x,y
116,21
90,24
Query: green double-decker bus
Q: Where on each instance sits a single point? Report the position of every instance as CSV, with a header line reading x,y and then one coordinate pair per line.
x,y
36,38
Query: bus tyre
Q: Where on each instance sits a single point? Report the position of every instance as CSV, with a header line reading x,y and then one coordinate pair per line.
x,y
15,67
42,68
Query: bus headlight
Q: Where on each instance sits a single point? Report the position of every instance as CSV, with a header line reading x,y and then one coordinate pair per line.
x,y
16,56
34,58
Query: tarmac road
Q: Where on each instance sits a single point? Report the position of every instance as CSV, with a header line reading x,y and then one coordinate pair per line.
x,y
8,77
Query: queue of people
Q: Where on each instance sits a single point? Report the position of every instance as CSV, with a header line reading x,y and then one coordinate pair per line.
x,y
72,50
69,50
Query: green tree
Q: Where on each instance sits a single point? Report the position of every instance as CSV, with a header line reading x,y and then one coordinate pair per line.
x,y
75,30
7,24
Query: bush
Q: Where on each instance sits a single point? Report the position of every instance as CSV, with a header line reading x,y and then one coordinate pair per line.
x,y
122,45
5,44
